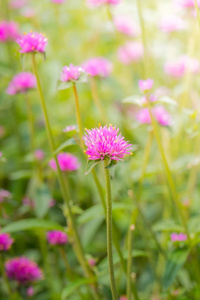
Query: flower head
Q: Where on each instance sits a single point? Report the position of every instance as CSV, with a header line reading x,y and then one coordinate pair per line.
x,y
145,85
57,237
178,237
98,66
39,154
5,241
9,31
23,270
32,42
171,24
105,142
160,114
4,194
130,52
71,73
21,83
67,162
178,67
187,3
126,25
17,4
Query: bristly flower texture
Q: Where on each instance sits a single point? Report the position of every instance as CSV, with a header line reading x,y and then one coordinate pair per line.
x,y
23,270
67,162
9,31
71,73
57,237
21,83
105,142
5,241
130,52
102,2
98,66
32,42
160,114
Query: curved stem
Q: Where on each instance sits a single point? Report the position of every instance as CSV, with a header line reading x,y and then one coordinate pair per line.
x,y
109,232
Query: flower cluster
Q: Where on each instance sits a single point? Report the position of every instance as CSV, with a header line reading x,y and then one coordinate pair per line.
x,y
23,270
32,42
5,241
57,237
130,52
71,73
21,83
66,161
98,66
178,237
160,114
9,31
105,142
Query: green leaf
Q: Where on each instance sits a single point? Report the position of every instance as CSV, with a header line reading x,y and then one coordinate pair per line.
x,y
73,286
174,263
111,164
63,85
167,225
82,78
66,144
91,213
133,99
30,224
90,165
167,100
42,198
21,174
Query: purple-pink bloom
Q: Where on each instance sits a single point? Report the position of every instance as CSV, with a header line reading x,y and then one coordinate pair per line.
x,y
32,42
71,73
126,25
69,128
5,241
123,298
17,4
57,237
130,52
21,83
187,3
39,154
92,262
178,237
160,114
171,23
105,142
180,66
98,66
9,31
30,291
58,1
67,162
4,194
145,85
102,2
23,270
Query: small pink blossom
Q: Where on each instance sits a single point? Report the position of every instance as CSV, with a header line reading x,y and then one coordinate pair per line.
x,y
92,262
183,64
32,42
39,154
71,73
159,113
171,23
69,128
123,298
17,4
52,203
105,142
57,237
130,52
58,1
5,241
178,237
186,3
4,194
67,162
21,83
9,31
98,66
145,85
28,12
126,25
28,202
102,2
30,291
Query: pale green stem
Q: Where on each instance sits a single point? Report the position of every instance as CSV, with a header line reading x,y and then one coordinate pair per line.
x,y
65,260
78,116
109,232
31,123
198,14
9,291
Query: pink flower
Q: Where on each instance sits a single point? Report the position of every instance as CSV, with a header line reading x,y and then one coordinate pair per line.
x,y
130,52
92,262
21,83
67,162
28,202
178,237
179,67
143,116
9,31
28,12
32,42
126,25
105,142
145,85
123,298
171,23
39,154
98,66
4,194
159,113
69,128
17,4
187,3
71,73
23,270
58,1
102,2
30,291
57,237
5,241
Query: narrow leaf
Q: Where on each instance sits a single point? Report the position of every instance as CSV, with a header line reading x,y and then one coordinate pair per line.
x,y
90,165
63,85
73,286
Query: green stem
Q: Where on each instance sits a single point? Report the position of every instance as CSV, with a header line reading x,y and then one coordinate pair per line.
x,y
31,123
78,116
9,291
198,14
65,260
109,231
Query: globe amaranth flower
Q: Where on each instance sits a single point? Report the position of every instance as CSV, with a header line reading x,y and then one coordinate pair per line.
x,y
98,66
126,25
32,42
57,237
130,52
21,83
5,241
171,23
145,85
102,2
9,31
105,142
160,114
178,237
71,73
23,270
66,161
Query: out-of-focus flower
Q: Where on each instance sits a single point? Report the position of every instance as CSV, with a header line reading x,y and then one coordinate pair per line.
x,y
123,298
178,237
52,203
5,241
130,52
92,262
17,4
171,23
23,270
145,85
58,1
98,66
9,31
28,202
30,291
159,113
4,194
177,68
57,237
186,3
32,42
71,73
102,2
39,154
21,83
67,162
105,142
28,12
69,128
126,25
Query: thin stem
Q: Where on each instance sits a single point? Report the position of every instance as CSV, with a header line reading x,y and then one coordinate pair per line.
x,y
109,231
31,123
198,14
78,116
65,260
9,291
